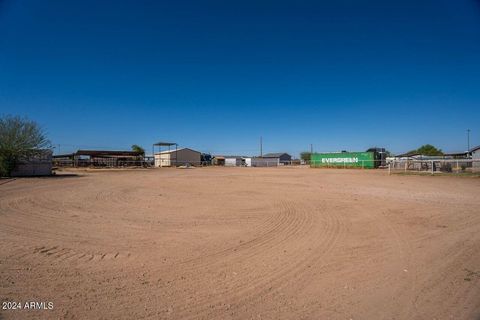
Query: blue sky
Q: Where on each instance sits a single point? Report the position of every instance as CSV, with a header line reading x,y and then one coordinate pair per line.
x,y
217,75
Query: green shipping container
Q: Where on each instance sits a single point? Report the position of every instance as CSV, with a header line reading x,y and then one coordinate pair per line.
x,y
343,160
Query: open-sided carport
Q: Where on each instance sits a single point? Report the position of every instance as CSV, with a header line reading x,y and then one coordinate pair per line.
x,y
160,145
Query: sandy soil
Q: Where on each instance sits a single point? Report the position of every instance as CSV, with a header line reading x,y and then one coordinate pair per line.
x,y
241,243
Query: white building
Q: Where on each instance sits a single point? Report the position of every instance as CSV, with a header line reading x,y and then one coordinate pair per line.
x,y
177,157
233,161
475,152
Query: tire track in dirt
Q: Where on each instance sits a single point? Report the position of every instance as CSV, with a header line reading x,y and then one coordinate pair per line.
x,y
21,213
275,223
61,255
284,225
250,291
294,276
225,252
401,251
451,269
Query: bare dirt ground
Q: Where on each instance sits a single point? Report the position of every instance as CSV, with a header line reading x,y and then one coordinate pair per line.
x,y
241,243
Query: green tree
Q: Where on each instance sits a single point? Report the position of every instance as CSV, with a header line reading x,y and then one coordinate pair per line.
x,y
137,148
305,156
429,150
19,138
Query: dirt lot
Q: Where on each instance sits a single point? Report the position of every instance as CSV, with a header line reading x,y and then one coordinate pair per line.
x,y
241,243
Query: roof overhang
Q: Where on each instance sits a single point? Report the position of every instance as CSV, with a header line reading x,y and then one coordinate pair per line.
x,y
164,144
108,153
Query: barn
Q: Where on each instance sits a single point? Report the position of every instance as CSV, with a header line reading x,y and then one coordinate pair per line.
x,y
178,157
99,158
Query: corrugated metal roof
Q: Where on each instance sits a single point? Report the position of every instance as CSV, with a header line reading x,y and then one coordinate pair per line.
x,y
174,150
475,149
457,153
274,155
408,154
238,157
111,153
164,144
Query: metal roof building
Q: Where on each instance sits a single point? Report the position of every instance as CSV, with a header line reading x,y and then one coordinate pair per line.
x,y
178,157
100,158
283,157
475,152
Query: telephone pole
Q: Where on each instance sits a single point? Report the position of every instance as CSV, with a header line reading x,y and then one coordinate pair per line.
x,y
468,140
261,147
311,148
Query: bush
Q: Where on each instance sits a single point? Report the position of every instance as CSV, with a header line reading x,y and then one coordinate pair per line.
x,y
3,168
19,138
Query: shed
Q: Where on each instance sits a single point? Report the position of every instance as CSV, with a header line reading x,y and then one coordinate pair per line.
x,y
39,164
177,157
218,160
283,157
265,162
232,161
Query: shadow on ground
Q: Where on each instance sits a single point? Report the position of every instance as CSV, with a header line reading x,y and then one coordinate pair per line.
x,y
53,176
61,176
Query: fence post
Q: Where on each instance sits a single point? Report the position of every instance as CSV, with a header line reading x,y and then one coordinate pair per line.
x,y
433,171
389,168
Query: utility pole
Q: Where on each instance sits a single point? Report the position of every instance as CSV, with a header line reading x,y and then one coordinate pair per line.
x,y
311,148
468,140
261,147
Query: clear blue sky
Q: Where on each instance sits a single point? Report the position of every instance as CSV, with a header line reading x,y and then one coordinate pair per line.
x,y
217,75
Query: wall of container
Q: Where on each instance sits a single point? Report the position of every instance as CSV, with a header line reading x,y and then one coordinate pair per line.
x,y
343,160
